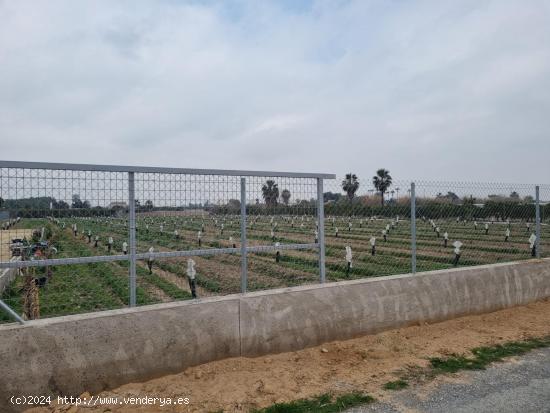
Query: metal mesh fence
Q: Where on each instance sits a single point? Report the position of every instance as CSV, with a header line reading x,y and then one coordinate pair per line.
x,y
78,240
456,224
85,238
474,224
290,220
187,212
367,233
544,195
74,201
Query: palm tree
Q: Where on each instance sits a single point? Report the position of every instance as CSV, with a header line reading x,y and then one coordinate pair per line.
x,y
382,181
286,196
350,185
270,192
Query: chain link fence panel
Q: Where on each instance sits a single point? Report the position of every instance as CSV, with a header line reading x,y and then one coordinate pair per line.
x,y
77,240
463,224
367,232
81,238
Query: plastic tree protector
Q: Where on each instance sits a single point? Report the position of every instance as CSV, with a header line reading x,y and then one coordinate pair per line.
x,y
532,240
457,245
191,272
349,256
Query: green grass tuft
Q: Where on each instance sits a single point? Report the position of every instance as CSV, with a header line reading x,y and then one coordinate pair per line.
x,y
396,385
483,356
320,404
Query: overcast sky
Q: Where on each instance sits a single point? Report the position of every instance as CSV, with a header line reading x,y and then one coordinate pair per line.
x,y
454,90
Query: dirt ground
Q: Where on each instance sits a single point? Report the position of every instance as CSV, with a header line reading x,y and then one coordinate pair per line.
x,y
362,364
5,240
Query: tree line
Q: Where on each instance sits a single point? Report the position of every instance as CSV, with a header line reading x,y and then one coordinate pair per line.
x,y
276,201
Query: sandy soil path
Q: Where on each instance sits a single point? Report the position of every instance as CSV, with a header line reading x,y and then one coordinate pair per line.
x,y
363,364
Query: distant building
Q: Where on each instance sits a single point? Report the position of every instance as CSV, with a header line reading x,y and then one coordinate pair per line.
x,y
4,215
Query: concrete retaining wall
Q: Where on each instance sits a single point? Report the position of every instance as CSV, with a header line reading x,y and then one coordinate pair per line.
x,y
69,355
66,355
303,317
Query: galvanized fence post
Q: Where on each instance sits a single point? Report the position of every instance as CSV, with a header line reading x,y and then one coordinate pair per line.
x,y
132,235
321,230
244,264
8,310
537,220
413,228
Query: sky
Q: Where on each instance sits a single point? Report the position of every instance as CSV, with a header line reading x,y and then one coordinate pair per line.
x,y
454,90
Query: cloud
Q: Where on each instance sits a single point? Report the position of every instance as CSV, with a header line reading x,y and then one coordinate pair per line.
x,y
440,90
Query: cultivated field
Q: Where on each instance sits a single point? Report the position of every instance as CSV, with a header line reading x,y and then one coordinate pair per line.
x,y
92,287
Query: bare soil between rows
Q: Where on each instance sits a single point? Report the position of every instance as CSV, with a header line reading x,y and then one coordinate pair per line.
x,y
362,364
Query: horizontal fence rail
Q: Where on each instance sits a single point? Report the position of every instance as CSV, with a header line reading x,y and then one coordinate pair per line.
x,y
80,238
148,255
157,170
